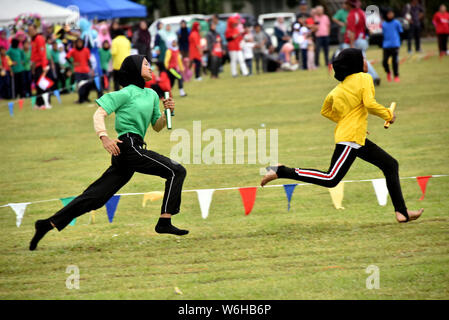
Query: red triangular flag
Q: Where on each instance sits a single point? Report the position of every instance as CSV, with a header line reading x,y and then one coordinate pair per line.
x,y
248,198
422,181
20,104
106,81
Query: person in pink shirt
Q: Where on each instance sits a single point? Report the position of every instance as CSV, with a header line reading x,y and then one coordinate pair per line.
x,y
441,22
322,35
3,39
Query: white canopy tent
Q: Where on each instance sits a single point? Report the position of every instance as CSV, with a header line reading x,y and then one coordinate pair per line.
x,y
50,13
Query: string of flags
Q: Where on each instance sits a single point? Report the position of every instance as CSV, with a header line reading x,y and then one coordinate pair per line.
x,y
247,194
409,58
57,93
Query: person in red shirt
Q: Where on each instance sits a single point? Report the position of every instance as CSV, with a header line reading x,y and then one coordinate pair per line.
x,y
80,56
5,74
39,62
355,34
195,51
173,64
160,83
441,22
355,24
234,37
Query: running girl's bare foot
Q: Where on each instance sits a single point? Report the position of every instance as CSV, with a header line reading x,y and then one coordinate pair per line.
x,y
413,215
270,175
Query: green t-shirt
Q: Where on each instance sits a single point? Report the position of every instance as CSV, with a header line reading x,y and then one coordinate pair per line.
x,y
105,57
341,15
48,48
54,56
17,56
134,108
27,62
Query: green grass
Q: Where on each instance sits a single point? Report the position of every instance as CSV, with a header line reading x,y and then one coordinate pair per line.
x,y
311,252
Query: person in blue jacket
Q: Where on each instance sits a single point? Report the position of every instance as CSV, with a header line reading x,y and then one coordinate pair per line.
x,y
392,30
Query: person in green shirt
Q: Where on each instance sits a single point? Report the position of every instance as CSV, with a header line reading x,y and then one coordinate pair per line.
x,y
340,18
105,58
27,77
135,108
54,54
18,59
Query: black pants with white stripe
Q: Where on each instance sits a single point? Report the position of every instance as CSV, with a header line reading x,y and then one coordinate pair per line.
x,y
342,160
133,157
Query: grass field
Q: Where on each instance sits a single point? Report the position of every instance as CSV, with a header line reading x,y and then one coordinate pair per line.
x,y
311,252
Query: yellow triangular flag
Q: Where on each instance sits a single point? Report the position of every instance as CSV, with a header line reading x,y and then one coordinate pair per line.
x,y
152,196
337,195
177,291
92,217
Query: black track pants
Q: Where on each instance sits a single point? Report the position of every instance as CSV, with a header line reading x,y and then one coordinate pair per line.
x,y
132,158
342,160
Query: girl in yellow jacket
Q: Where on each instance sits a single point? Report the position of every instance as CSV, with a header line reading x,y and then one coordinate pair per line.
x,y
348,105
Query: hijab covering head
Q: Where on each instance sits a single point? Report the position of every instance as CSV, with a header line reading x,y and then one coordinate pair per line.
x,y
101,36
196,26
131,71
280,25
348,61
386,14
170,43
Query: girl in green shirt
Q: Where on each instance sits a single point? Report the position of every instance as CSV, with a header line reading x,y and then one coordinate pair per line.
x,y
135,108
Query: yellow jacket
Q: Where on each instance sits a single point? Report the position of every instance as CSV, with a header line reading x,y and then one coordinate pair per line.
x,y
349,103
168,58
120,49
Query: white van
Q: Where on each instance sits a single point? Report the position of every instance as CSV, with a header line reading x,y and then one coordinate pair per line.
x,y
267,21
174,22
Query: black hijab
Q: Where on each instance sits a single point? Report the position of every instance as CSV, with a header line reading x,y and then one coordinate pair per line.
x,y
131,71
348,61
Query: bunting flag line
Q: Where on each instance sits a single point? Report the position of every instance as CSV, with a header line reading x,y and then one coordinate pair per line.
x,y
337,194
422,181
111,206
19,209
205,198
66,201
289,188
381,190
56,92
248,197
152,196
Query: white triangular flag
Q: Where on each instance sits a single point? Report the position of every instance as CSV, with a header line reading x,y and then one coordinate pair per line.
x,y
381,190
205,198
45,97
19,209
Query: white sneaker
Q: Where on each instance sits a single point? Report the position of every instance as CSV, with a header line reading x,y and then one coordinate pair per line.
x,y
182,93
48,106
199,79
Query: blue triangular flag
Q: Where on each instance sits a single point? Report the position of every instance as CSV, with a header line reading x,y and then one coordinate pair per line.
x,y
111,206
11,108
97,83
57,95
289,188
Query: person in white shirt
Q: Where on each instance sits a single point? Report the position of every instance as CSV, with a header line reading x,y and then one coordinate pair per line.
x,y
303,42
247,45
